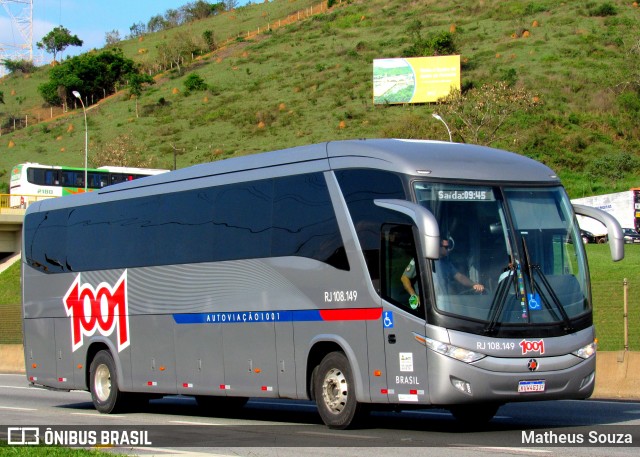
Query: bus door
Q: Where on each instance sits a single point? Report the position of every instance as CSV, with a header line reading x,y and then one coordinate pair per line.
x,y
403,316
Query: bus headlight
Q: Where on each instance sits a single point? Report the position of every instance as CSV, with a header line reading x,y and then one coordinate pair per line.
x,y
587,351
464,355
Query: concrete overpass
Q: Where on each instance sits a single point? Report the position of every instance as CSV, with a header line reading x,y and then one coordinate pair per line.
x,y
10,231
12,209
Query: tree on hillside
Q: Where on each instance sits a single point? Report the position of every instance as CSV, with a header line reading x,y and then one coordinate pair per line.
x,y
156,23
183,46
93,75
136,82
231,4
189,12
194,11
173,17
112,38
1,97
136,30
217,8
122,151
479,115
57,40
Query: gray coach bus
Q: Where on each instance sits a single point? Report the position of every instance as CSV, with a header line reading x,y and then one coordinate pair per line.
x,y
359,274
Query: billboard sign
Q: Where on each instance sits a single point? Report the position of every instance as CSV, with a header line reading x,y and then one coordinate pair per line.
x,y
415,79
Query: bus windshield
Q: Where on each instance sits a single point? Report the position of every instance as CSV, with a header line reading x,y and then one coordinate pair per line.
x,y
507,256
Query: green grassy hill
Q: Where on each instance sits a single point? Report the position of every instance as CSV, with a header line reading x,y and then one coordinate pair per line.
x,y
311,81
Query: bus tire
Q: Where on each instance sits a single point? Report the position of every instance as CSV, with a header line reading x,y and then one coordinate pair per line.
x,y
103,384
335,393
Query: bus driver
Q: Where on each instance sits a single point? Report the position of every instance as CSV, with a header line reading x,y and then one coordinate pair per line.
x,y
448,272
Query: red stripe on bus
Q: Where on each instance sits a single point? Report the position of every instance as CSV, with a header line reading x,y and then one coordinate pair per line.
x,y
353,314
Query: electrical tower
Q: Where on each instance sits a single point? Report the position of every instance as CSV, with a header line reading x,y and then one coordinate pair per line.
x,y
21,47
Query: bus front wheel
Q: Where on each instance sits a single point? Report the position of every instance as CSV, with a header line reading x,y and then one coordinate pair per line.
x,y
335,392
106,396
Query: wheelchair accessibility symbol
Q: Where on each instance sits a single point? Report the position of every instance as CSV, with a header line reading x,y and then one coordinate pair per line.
x,y
387,321
534,301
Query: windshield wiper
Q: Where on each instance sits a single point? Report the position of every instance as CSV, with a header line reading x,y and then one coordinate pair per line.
x,y
535,268
565,317
500,298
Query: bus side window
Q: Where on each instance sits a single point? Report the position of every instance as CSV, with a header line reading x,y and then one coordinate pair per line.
x,y
50,177
398,259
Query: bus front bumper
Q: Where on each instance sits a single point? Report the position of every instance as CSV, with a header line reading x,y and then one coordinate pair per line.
x,y
453,382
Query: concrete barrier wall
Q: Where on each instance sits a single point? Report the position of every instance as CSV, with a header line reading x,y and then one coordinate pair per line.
x,y
11,358
617,373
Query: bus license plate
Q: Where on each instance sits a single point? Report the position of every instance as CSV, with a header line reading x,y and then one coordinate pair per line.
x,y
531,386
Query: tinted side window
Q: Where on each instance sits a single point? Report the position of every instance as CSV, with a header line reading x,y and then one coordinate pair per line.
x,y
224,223
241,220
220,223
46,249
360,188
73,178
304,222
42,176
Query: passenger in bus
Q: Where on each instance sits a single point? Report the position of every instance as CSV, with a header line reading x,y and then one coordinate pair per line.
x,y
446,270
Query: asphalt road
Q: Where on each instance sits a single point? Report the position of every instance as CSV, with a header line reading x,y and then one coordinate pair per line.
x,y
176,426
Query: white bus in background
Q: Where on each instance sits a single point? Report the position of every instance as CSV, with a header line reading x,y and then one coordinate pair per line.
x,y
281,275
31,181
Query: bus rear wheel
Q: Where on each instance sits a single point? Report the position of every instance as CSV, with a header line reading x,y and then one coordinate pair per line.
x,y
106,396
335,392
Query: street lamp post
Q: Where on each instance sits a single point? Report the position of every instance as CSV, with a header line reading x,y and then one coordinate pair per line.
x,y
437,116
76,94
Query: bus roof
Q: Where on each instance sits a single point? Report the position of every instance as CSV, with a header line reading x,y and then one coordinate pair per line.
x,y
432,159
435,159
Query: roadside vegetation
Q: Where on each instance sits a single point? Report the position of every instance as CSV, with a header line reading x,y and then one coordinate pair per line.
x,y
49,451
558,81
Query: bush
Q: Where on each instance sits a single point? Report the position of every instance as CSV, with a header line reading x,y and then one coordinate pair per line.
x,y
195,82
509,76
411,126
609,164
19,66
210,40
606,9
436,44
629,102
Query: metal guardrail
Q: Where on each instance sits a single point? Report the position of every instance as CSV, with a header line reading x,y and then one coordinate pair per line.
x,y
18,203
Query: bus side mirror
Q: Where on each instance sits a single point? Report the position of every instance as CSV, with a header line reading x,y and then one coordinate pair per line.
x,y
424,220
614,231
